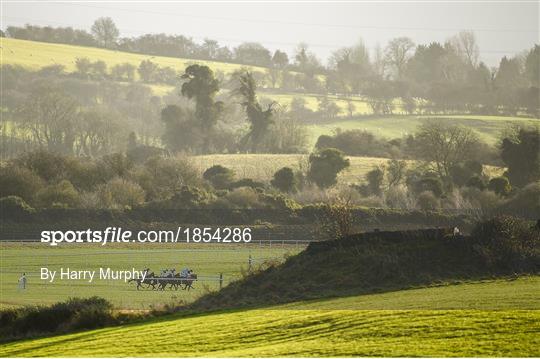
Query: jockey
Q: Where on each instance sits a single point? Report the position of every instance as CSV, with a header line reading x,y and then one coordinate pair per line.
x,y
185,272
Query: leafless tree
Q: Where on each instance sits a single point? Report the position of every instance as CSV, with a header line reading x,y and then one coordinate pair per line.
x,y
442,146
397,52
466,47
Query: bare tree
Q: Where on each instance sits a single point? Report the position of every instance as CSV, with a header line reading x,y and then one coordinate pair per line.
x,y
443,146
396,172
397,53
51,116
466,47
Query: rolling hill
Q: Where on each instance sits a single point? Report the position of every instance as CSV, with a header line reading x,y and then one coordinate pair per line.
x,y
35,55
404,323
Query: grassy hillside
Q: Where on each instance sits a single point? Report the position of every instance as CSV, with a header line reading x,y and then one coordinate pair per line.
x,y
367,263
488,128
331,328
35,55
498,294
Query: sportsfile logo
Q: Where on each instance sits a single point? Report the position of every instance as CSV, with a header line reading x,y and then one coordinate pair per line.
x,y
109,235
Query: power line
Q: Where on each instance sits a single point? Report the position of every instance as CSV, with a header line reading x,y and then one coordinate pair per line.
x,y
330,46
280,22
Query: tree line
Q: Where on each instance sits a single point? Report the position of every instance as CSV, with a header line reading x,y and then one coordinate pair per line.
x,y
437,77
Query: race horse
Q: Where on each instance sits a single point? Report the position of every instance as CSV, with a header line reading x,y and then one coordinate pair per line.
x,y
150,280
177,281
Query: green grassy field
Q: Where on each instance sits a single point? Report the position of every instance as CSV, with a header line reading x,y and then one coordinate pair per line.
x,y
361,107
262,167
488,128
35,55
207,260
330,328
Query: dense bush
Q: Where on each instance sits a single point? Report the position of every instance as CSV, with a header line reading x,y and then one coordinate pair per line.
x,y
246,182
500,185
14,207
161,178
462,172
73,314
191,197
242,198
427,201
119,193
20,182
61,194
284,180
220,177
476,182
325,165
358,143
47,165
525,202
508,243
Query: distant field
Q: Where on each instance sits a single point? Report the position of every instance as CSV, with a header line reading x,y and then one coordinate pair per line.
x,y
35,55
329,329
361,107
207,260
262,167
488,128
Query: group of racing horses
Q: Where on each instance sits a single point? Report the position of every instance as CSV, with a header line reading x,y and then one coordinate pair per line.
x,y
167,277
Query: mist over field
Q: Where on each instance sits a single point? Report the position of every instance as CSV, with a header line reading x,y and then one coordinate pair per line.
x,y
311,167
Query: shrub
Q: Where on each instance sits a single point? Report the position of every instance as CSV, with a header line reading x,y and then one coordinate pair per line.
x,y
220,177
73,314
476,182
507,242
284,180
20,182
432,184
14,207
427,201
375,179
325,165
161,178
525,202
355,143
243,197
190,197
47,165
486,201
116,165
500,185
399,197
119,193
461,172
61,194
246,182
337,219
280,202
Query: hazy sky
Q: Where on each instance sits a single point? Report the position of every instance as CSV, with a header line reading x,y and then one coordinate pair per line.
x,y
502,28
